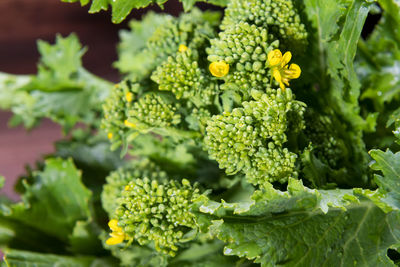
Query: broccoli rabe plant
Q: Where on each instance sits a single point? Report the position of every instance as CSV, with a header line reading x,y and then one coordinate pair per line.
x,y
266,133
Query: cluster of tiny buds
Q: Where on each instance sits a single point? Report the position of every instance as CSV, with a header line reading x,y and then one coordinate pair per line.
x,y
150,211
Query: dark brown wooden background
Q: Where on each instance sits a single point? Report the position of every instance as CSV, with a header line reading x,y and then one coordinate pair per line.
x,y
22,22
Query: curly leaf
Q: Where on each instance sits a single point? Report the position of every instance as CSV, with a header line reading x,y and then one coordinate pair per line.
x,y
62,89
53,202
132,59
303,227
389,164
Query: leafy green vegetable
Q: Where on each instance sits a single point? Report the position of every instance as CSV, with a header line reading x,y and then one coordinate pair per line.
x,y
62,90
19,258
53,203
234,140
300,227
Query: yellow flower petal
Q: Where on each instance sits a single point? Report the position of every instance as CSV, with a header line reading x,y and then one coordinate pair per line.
x,y
129,97
182,48
286,58
294,71
127,187
277,75
115,240
113,224
129,124
219,69
274,57
282,86
110,135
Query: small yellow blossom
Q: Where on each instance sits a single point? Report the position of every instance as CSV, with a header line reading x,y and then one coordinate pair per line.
x,y
129,124
127,187
110,135
129,97
182,48
117,235
281,71
219,69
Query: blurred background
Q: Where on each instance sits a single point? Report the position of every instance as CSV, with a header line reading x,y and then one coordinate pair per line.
x,y
22,22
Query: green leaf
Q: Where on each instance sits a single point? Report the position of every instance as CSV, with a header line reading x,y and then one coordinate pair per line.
x,y
303,227
379,58
335,32
84,239
131,57
338,26
389,164
55,201
122,8
62,90
20,258
2,181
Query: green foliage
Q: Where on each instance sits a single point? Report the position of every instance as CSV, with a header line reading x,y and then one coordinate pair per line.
x,y
379,59
150,42
122,8
62,90
378,63
285,180
2,181
54,215
19,258
300,227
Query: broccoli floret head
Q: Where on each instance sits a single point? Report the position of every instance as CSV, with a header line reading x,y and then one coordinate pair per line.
x,y
182,75
244,47
115,111
156,213
151,111
251,139
280,17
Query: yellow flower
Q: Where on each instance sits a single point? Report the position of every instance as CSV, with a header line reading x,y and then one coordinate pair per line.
x,y
219,69
281,71
182,48
110,135
117,235
129,124
127,187
129,97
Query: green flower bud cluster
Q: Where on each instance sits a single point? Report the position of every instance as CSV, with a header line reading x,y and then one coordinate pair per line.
x,y
324,139
244,47
191,29
151,111
158,213
280,17
115,111
118,179
181,75
251,139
